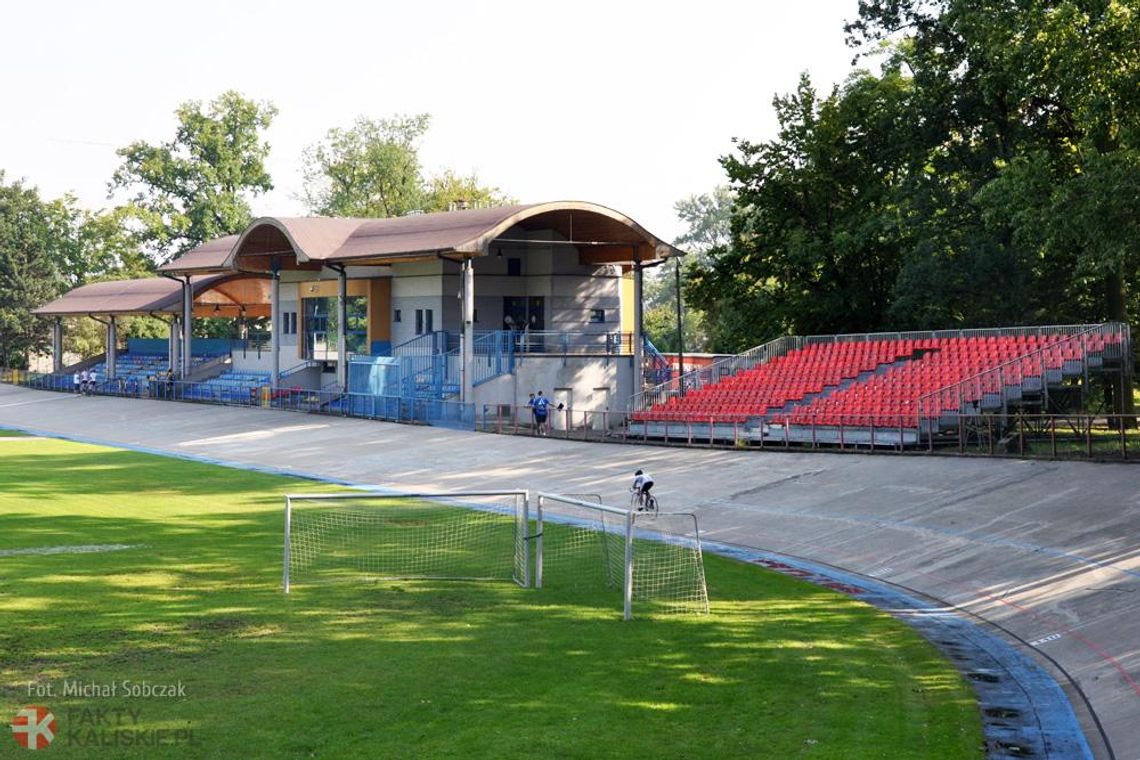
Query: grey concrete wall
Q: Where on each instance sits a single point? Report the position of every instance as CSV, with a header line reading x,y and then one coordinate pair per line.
x,y
583,383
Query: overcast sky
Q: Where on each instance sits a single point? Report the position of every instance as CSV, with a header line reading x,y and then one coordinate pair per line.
x,y
627,104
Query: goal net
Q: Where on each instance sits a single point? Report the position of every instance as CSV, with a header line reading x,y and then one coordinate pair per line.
x,y
470,535
655,560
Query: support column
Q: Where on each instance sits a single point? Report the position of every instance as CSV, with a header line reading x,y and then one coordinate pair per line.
x,y
638,348
173,341
112,347
275,326
467,276
187,327
57,346
342,329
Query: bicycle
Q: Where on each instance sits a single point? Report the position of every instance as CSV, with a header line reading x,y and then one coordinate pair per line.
x,y
639,502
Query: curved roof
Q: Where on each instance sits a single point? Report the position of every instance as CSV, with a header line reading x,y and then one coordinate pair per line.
x,y
327,240
130,297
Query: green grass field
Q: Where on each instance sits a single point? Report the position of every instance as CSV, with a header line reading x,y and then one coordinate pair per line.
x,y
418,668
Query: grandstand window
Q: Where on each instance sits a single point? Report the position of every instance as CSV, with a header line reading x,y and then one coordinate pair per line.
x,y
396,316
597,316
423,321
514,267
322,328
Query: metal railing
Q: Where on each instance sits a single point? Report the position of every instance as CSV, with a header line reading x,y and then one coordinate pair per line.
x,y
1097,437
713,373
325,401
1032,372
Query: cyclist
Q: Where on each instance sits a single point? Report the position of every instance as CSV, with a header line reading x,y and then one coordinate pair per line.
x,y
642,483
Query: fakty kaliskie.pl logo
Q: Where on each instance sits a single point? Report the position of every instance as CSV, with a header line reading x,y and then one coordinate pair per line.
x,y
34,727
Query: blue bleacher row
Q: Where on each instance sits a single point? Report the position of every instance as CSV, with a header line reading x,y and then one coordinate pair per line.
x,y
230,386
137,373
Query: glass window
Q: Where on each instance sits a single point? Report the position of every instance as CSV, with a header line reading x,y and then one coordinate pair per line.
x,y
514,267
322,330
597,316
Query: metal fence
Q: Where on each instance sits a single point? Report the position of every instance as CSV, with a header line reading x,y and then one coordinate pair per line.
x,y
1033,436
332,402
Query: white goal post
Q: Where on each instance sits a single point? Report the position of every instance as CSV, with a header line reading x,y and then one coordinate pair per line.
x,y
459,535
655,558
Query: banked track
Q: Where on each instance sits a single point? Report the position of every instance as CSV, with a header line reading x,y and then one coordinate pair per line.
x,y
1038,562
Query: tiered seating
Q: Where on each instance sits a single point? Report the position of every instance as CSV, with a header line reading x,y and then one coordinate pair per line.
x,y
891,399
131,370
231,386
879,383
776,384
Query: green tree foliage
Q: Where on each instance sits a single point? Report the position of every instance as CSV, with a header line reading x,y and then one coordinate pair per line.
x,y
816,240
373,169
30,231
369,170
197,186
1034,110
449,191
48,247
988,176
708,219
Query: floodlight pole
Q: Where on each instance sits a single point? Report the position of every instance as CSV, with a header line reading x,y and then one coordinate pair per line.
x,y
680,332
638,357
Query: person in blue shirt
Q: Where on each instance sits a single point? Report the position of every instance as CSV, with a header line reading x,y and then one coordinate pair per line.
x,y
541,412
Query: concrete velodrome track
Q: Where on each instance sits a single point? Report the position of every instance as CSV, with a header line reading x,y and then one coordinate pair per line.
x,y
1045,555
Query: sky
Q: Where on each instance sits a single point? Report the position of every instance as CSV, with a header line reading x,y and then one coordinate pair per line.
x,y
627,104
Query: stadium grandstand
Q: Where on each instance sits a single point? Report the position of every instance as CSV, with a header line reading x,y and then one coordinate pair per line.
x,y
382,317
892,389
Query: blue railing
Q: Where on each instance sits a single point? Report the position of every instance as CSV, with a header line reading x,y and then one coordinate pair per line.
x,y
657,368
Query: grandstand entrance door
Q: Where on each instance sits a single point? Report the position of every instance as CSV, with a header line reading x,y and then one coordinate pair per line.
x,y
526,313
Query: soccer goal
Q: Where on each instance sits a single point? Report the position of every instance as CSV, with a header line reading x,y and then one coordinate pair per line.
x,y
468,535
653,559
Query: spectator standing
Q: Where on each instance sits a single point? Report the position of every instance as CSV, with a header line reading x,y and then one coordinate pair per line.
x,y
541,411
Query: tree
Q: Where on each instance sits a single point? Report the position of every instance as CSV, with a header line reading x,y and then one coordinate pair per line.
x,y
29,233
707,217
1034,106
196,187
369,170
449,191
373,169
709,220
816,234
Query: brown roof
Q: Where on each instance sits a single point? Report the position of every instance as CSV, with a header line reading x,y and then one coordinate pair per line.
x,y
209,256
320,240
122,297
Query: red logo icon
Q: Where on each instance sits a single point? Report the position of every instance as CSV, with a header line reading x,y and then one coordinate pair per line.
x,y
34,727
